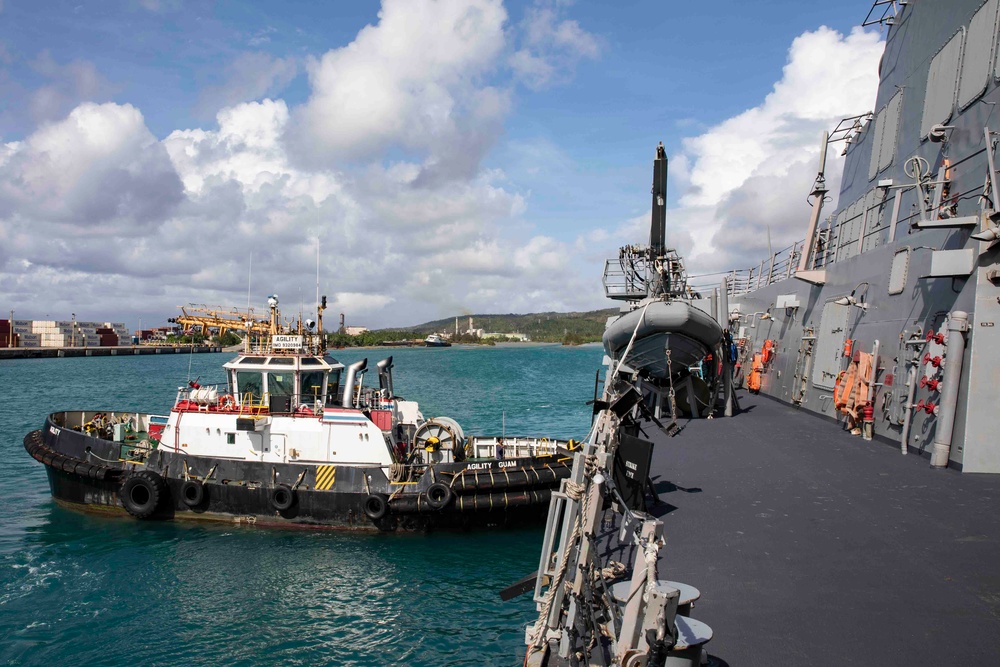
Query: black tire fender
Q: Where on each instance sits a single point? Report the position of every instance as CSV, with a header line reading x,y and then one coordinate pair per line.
x,y
143,493
439,495
282,497
192,493
376,506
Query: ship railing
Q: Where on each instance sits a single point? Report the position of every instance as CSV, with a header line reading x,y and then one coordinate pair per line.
x,y
261,345
627,278
783,264
624,281
776,267
484,447
251,406
200,395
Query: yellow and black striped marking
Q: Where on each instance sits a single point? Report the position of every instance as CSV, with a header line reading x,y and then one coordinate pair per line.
x,y
325,477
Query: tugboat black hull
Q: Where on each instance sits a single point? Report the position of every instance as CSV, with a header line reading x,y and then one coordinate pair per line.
x,y
87,474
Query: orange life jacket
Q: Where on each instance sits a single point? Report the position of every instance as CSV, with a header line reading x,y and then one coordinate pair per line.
x,y
851,390
753,380
767,352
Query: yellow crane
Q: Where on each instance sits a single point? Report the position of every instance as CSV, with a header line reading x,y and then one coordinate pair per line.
x,y
222,320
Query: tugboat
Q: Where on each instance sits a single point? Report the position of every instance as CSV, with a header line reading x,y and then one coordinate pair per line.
x,y
295,439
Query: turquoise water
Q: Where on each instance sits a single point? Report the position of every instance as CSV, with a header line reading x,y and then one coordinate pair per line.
x,y
76,589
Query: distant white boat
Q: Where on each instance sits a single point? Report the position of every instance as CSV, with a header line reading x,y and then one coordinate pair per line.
x,y
435,340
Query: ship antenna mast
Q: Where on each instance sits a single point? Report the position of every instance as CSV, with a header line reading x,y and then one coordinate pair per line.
x,y
658,226
658,222
249,280
320,307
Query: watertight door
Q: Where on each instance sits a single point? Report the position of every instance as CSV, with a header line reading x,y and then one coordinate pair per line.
x,y
830,344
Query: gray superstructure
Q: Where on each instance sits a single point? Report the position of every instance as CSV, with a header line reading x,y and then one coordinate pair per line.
x,y
897,261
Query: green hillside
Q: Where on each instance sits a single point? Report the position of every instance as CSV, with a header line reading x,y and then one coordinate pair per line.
x,y
541,327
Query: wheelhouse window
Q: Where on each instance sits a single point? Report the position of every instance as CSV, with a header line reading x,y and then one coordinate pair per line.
x,y
250,382
333,388
281,384
311,389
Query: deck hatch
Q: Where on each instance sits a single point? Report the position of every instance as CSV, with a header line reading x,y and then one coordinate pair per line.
x,y
884,136
899,271
942,83
976,69
848,242
876,143
874,213
891,130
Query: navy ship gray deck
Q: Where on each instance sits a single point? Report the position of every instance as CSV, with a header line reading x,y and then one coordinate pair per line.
x,y
812,546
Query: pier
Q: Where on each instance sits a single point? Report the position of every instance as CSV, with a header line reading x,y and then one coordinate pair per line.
x,y
56,352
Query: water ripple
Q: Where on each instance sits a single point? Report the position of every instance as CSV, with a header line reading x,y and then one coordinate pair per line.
x,y
90,590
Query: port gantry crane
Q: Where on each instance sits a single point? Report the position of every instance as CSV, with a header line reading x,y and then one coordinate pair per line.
x,y
206,319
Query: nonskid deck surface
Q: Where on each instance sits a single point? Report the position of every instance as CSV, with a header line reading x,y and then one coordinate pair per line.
x,y
814,547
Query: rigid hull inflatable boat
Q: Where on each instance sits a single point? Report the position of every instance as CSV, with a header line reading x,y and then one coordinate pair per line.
x,y
290,443
655,326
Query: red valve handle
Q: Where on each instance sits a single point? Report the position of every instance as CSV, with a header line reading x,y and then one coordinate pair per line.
x,y
933,361
929,408
929,383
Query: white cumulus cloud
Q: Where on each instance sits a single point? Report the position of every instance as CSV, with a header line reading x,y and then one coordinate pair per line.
x,y
99,167
411,81
551,46
753,171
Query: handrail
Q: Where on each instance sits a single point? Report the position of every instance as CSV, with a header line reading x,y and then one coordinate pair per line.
x,y
247,406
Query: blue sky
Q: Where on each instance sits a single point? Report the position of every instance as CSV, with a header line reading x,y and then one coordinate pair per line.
x,y
454,156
